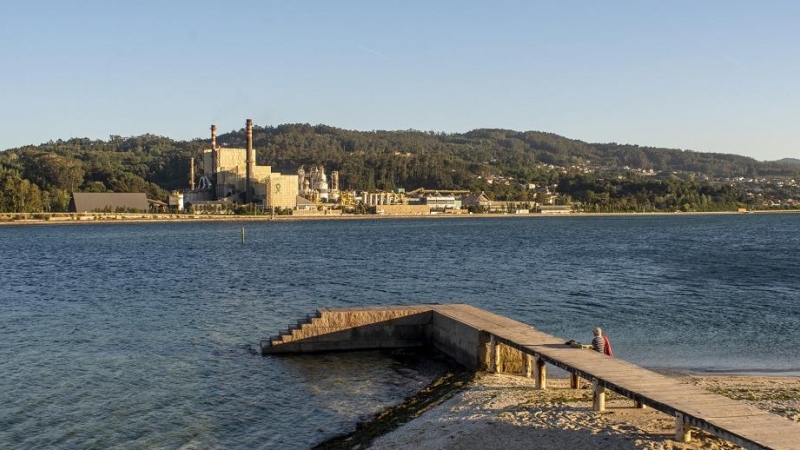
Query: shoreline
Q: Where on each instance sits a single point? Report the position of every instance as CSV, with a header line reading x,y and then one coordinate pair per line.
x,y
10,219
505,411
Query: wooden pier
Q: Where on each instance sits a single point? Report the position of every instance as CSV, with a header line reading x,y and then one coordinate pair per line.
x,y
484,340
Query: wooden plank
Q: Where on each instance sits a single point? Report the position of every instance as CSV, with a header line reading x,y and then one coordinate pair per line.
x,y
679,399
627,374
646,383
719,410
712,400
707,410
587,362
710,408
609,370
656,388
632,379
771,437
601,365
755,422
726,415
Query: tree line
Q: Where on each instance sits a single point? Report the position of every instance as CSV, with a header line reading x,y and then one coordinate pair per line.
x,y
501,163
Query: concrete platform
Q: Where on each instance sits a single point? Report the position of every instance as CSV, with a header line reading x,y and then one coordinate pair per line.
x,y
483,340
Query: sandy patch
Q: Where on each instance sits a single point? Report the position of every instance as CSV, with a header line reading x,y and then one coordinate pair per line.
x,y
505,412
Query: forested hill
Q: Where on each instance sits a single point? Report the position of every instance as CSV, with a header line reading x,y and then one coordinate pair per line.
x,y
366,160
793,161
511,151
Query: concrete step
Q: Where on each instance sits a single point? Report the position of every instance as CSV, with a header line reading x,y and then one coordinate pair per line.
x,y
309,318
290,333
287,335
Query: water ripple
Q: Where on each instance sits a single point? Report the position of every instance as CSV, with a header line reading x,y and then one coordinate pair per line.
x,y
140,336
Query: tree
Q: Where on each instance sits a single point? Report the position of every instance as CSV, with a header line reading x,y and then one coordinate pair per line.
x,y
51,170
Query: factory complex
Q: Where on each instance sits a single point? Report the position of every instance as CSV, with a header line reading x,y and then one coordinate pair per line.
x,y
231,179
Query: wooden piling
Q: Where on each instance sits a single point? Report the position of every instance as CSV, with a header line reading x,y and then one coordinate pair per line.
x,y
492,366
541,373
682,431
528,365
574,381
498,358
599,397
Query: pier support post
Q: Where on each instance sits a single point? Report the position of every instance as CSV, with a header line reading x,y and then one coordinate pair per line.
x,y
599,397
498,358
682,431
540,371
492,354
574,380
528,365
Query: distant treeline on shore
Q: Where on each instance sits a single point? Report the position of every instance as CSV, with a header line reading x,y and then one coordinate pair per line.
x,y
506,165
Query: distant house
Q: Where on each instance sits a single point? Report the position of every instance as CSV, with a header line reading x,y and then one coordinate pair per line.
x,y
305,205
158,206
476,200
108,202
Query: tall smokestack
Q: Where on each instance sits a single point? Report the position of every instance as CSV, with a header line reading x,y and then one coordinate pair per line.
x,y
249,162
214,162
191,173
214,159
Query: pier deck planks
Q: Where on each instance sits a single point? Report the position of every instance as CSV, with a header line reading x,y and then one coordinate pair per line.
x,y
745,425
738,422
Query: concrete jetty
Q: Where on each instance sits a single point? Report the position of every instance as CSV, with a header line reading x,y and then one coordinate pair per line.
x,y
483,340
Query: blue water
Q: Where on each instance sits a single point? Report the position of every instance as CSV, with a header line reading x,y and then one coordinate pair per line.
x,y
140,336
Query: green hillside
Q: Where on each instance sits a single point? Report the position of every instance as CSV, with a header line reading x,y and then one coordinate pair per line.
x,y
500,162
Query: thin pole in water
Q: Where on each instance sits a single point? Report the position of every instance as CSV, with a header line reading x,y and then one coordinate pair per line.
x,y
242,235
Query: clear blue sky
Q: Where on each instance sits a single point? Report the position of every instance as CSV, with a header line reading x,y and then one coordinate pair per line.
x,y
712,76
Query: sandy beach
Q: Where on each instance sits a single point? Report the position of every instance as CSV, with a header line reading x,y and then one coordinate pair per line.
x,y
498,411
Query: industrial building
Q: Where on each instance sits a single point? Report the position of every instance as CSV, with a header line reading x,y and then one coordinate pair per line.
x,y
232,175
313,185
82,202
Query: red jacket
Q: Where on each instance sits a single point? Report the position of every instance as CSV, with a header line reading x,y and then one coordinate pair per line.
x,y
609,352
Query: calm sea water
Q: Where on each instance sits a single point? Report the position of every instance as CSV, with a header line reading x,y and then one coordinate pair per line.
x,y
140,336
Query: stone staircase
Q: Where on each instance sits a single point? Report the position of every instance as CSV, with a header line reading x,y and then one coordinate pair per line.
x,y
352,329
292,332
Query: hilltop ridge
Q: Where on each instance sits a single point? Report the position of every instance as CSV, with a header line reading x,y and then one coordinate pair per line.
x,y
506,164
